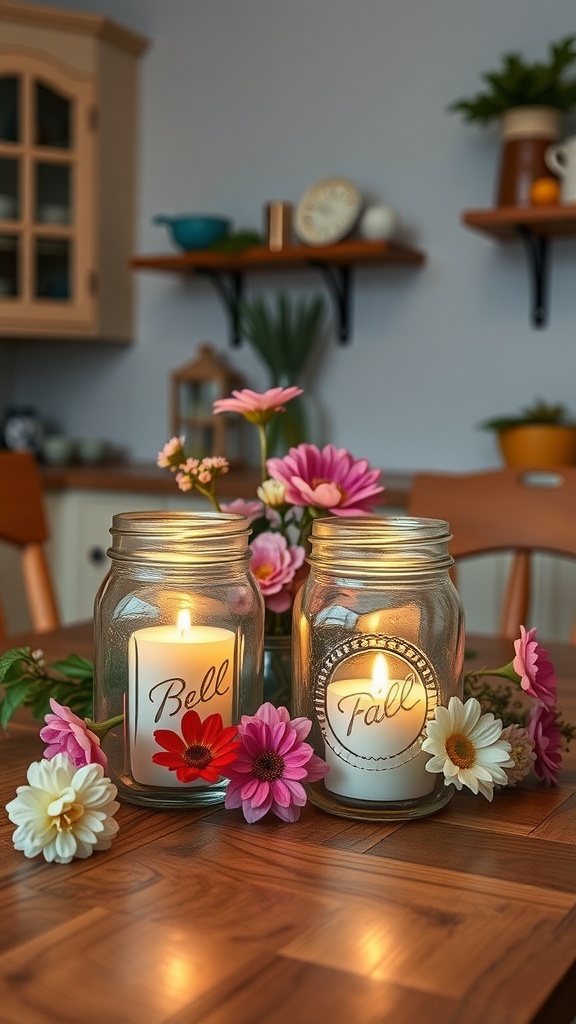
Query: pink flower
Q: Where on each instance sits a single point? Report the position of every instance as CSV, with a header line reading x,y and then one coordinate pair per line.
x,y
251,509
544,730
274,566
328,479
534,668
67,734
272,764
172,454
255,407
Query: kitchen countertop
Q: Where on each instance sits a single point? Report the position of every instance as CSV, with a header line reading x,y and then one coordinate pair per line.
x,y
148,478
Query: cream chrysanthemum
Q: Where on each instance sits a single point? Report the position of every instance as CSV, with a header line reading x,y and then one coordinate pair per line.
x,y
468,747
65,811
522,753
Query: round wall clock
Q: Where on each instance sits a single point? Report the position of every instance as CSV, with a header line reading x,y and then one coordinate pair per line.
x,y
327,211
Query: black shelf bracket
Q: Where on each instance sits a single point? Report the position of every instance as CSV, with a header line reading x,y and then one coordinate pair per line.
x,y
230,288
339,281
537,249
229,285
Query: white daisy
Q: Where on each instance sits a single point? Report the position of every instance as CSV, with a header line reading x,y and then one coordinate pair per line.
x,y
468,747
65,811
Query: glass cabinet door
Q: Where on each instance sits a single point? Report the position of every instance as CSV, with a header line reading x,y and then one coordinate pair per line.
x,y
46,156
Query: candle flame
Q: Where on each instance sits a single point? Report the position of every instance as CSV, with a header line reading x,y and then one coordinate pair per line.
x,y
183,624
380,676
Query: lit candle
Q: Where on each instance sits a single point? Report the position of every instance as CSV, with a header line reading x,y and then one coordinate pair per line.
x,y
373,729
171,670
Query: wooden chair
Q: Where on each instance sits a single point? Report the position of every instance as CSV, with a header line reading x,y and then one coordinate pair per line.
x,y
516,510
23,524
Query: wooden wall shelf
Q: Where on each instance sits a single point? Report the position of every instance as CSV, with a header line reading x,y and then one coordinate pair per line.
x,y
535,226
335,262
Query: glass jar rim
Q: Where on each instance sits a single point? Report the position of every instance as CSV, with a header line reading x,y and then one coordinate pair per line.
x,y
381,543
178,536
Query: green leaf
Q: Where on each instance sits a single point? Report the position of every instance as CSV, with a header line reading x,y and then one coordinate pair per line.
x,y
75,667
10,658
14,697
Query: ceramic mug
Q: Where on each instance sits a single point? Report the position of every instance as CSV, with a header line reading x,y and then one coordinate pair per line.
x,y
561,158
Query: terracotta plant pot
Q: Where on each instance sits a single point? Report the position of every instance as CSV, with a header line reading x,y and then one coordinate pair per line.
x,y
537,445
527,132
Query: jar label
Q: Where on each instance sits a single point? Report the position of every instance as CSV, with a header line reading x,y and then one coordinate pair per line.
x,y
374,696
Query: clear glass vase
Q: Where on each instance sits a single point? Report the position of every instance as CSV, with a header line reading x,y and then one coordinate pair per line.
x,y
378,644
179,626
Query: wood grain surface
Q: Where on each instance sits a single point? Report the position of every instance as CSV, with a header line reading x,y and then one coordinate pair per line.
x,y
196,917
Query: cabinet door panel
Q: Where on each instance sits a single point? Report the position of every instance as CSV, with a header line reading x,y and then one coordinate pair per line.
x,y
47,190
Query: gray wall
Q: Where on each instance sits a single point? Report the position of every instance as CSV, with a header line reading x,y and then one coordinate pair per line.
x,y
243,101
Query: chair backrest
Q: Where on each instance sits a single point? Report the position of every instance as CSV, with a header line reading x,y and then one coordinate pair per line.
x,y
516,510
23,524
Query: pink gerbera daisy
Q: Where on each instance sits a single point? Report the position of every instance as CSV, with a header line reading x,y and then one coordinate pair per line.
x,y
328,479
534,668
257,407
272,764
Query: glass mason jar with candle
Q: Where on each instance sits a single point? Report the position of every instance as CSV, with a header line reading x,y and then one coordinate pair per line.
x,y
179,625
378,644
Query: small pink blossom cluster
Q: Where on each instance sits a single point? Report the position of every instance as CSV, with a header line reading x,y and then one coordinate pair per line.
x,y
192,472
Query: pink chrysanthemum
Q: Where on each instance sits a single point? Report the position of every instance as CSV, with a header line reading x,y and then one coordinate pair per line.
x,y
534,668
272,764
329,479
521,753
544,730
257,407
274,565
67,734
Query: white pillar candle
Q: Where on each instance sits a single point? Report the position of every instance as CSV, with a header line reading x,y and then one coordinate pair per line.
x,y
173,669
373,729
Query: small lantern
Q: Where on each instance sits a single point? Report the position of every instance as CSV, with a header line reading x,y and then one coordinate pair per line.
x,y
194,389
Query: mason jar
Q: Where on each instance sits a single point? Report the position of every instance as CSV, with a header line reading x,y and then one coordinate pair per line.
x,y
378,644
179,625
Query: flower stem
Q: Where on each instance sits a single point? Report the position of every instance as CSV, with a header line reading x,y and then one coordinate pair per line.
x,y
101,728
263,451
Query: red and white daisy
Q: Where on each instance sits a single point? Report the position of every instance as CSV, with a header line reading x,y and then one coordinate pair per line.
x,y
201,752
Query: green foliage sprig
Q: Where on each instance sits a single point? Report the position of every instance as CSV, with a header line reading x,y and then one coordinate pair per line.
x,y
503,701
282,335
520,83
28,681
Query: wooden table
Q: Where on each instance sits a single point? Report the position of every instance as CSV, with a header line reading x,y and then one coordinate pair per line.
x,y
199,918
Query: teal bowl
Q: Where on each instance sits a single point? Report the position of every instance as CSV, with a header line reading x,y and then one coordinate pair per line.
x,y
191,232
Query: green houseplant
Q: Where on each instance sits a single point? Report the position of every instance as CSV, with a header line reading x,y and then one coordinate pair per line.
x,y
539,435
528,99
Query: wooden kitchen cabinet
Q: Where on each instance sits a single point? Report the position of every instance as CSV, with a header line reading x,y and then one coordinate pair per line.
x,y
68,115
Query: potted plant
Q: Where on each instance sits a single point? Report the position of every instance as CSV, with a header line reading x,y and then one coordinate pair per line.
x,y
528,98
539,435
